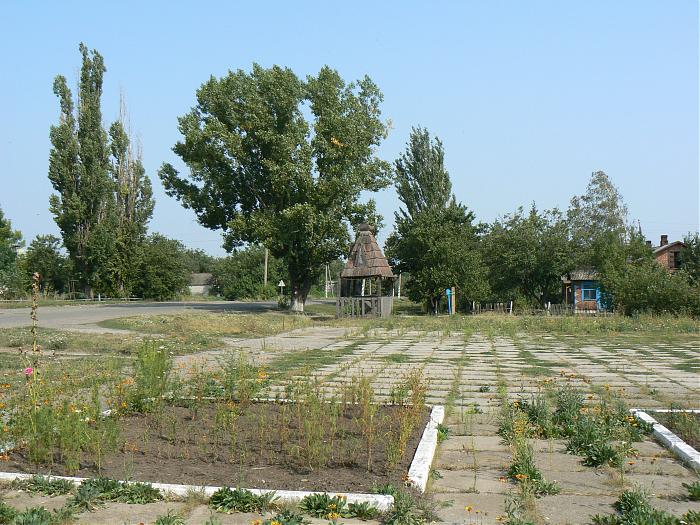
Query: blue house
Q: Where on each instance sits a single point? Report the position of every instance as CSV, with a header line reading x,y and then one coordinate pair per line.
x,y
581,289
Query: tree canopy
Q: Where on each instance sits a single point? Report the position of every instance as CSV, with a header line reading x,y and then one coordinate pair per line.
x,y
526,254
281,161
434,239
103,198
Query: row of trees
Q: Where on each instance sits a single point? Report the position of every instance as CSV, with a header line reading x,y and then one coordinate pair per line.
x,y
280,162
523,255
161,267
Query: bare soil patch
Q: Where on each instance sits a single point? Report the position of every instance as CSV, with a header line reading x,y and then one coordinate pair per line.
x,y
261,449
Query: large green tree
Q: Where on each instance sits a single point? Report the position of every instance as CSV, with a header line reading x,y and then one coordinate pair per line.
x,y
10,241
597,223
83,205
422,182
526,254
133,205
103,198
44,256
434,239
280,161
163,268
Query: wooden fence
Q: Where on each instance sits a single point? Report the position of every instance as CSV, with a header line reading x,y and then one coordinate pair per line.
x,y
368,306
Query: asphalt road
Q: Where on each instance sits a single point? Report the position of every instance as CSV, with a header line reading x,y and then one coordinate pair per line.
x,y
75,317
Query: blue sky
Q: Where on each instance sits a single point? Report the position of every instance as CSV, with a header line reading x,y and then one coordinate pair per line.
x,y
529,97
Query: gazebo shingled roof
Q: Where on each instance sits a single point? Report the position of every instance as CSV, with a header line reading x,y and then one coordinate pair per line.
x,y
366,259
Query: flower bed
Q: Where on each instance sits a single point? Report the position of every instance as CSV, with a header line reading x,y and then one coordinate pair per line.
x,y
263,446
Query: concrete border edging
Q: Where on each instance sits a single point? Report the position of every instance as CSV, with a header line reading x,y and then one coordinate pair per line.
x,y
419,471
680,448
382,502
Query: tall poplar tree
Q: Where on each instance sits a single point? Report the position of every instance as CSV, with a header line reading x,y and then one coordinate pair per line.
x,y
434,239
79,172
133,203
103,199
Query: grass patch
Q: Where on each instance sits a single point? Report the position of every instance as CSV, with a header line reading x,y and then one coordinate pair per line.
x,y
396,358
207,324
686,425
289,363
76,342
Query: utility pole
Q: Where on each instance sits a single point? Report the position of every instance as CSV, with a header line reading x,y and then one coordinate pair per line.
x,y
267,255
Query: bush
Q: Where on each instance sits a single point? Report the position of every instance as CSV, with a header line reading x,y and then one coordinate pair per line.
x,y
240,275
163,270
647,287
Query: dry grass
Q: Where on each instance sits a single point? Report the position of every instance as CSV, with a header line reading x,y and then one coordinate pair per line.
x,y
206,324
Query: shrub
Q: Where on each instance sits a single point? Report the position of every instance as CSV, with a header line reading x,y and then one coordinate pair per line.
x,y
241,500
152,370
45,485
324,506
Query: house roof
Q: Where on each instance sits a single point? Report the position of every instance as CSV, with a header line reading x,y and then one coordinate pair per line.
x,y
580,274
659,249
366,259
200,279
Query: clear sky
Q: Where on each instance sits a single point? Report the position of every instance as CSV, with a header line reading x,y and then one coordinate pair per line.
x,y
529,97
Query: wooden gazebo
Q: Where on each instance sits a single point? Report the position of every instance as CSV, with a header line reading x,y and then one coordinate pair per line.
x,y
367,282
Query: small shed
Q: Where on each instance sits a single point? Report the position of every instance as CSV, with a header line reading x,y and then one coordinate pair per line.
x,y
581,290
367,281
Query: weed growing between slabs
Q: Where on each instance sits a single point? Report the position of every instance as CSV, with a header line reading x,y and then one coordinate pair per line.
x,y
633,508
207,427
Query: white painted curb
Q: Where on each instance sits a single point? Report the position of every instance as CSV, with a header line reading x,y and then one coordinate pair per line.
x,y
680,448
382,502
419,471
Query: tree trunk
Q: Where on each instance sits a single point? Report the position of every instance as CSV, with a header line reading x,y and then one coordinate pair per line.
x,y
299,289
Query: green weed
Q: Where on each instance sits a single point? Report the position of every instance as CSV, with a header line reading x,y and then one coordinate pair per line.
x,y
241,500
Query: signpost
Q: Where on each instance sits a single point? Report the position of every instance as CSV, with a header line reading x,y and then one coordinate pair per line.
x,y
281,286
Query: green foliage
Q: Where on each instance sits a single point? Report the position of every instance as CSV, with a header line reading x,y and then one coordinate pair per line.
x,y
33,516
240,275
10,276
434,239
241,500
526,255
171,518
634,509
443,432
693,490
405,511
597,222
45,485
422,182
198,261
163,271
103,198
363,511
152,370
264,174
94,492
321,505
647,287
7,513
690,257
524,470
438,248
44,256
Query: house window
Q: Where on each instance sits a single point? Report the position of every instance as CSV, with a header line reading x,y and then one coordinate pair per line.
x,y
675,260
589,294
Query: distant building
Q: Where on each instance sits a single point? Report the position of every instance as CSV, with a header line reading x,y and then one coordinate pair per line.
x,y
581,289
200,283
668,254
